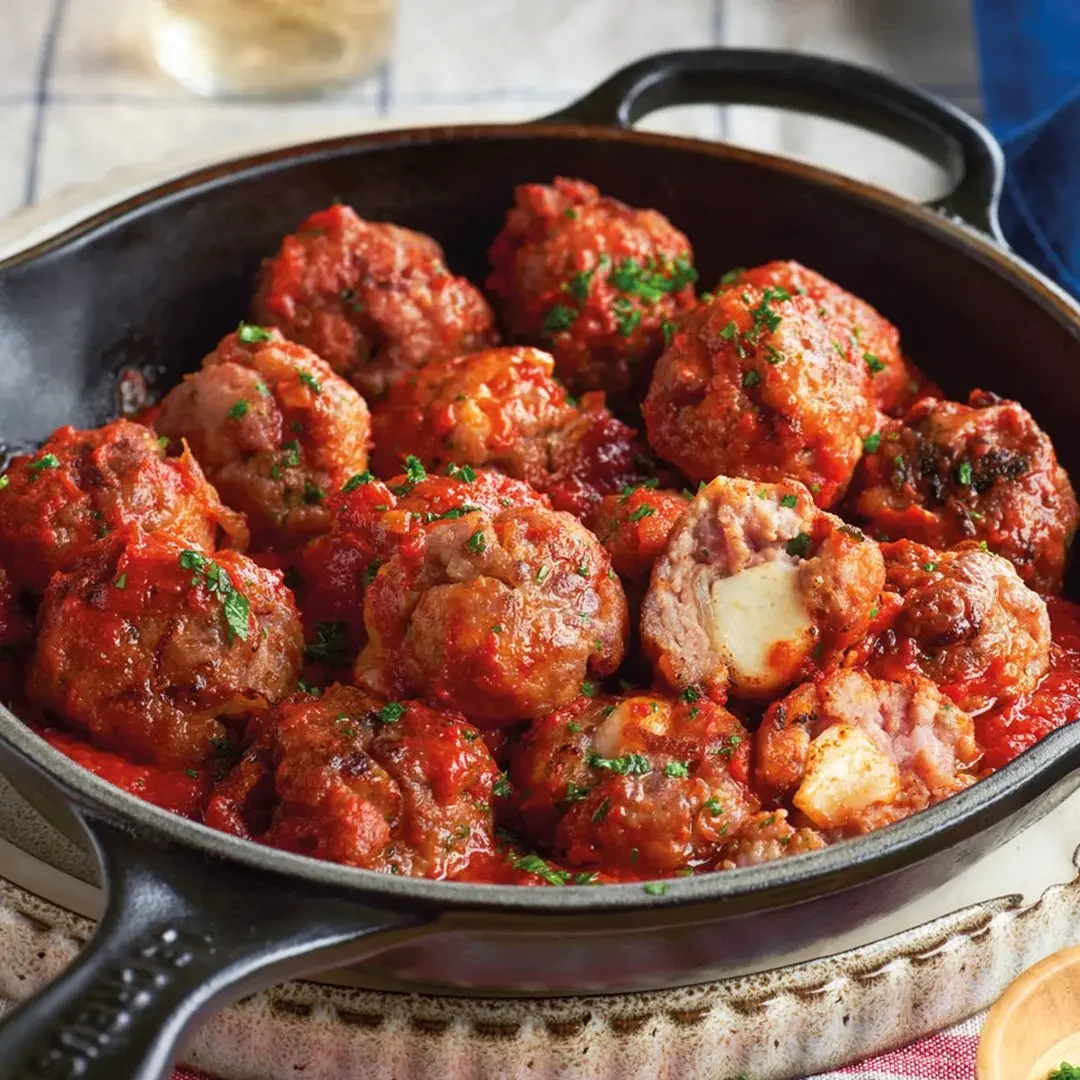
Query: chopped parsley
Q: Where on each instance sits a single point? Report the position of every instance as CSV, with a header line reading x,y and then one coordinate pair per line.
x,y
798,546
582,570
626,316
677,769
120,582
391,712
371,571
690,695
580,284
648,282
4,481
542,573
574,728
873,363
46,461
262,388
357,480
714,806
750,379
307,688
588,689
871,442
929,567
311,382
732,276
193,773
414,470
629,490
533,864
964,474
502,789
249,334
1065,1071
667,327
601,812
570,214
313,494
643,511
728,747
477,542
626,765
465,473
790,501
729,331
331,644
216,579
559,319
656,888
239,409
574,793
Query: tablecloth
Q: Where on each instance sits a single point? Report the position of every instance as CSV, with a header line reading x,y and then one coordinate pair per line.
x,y
81,103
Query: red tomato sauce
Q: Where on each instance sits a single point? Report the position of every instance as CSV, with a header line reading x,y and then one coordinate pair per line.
x,y
1006,732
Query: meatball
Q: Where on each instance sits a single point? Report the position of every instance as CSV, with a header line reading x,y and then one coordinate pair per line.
x,y
766,836
16,636
153,649
981,471
502,616
752,385
592,279
392,786
640,782
503,408
967,622
870,342
373,300
371,520
854,752
274,428
82,485
634,526
754,586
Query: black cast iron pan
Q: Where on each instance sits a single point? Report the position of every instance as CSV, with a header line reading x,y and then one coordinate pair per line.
x,y
196,918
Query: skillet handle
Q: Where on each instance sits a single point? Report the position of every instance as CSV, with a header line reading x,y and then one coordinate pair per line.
x,y
182,935
822,86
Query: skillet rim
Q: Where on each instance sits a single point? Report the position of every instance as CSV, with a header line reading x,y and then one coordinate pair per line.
x,y
777,884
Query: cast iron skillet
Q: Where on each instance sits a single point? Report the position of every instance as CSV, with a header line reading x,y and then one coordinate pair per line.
x,y
196,918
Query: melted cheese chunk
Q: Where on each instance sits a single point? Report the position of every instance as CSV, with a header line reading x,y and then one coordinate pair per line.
x,y
757,620
634,713
845,772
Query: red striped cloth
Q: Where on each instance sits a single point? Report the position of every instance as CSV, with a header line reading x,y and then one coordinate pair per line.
x,y
949,1055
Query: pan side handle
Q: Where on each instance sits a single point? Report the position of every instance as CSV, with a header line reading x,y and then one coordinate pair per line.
x,y
821,86
182,935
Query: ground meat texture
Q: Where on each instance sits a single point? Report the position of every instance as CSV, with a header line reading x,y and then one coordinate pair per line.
x,y
967,622
634,526
981,471
595,281
854,753
752,385
503,408
870,342
275,429
504,617
640,782
373,300
397,787
371,520
755,586
153,649
81,486
766,836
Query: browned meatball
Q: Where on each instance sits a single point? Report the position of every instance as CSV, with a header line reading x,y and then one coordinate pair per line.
x,y
275,429
372,520
966,621
81,486
754,587
502,616
643,783
634,526
753,386
392,786
504,409
870,342
766,836
981,471
592,279
153,648
373,300
854,753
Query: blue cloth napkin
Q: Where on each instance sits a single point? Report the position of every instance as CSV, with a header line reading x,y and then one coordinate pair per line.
x,y
1029,53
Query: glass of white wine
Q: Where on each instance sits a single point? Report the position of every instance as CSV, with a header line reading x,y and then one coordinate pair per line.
x,y
270,48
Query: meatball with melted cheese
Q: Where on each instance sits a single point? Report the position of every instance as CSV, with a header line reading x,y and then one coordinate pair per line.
x,y
752,385
981,471
592,279
502,616
854,753
966,621
374,300
397,787
869,341
81,486
754,586
274,428
154,649
640,782
372,519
